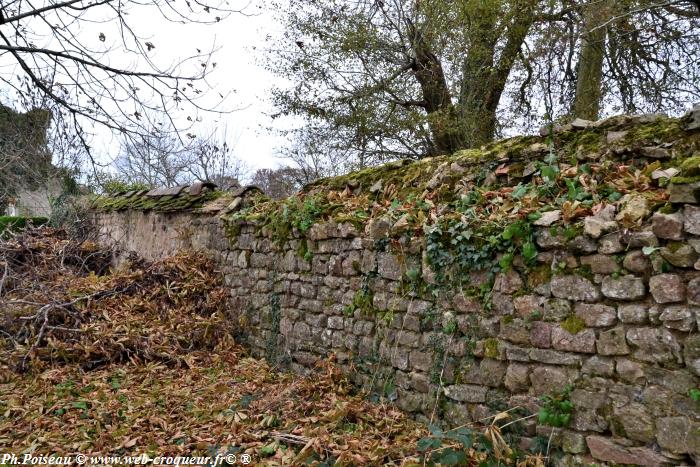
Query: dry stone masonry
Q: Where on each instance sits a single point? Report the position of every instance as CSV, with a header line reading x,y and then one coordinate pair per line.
x,y
458,287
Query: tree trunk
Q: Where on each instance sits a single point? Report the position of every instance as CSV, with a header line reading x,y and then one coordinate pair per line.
x,y
437,99
589,78
483,77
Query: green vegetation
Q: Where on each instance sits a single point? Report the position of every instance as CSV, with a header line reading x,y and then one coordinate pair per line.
x,y
573,324
9,224
140,202
556,408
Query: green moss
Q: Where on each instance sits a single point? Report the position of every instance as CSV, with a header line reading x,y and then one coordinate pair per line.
x,y
539,275
573,324
140,202
662,129
685,180
690,167
491,348
675,246
585,271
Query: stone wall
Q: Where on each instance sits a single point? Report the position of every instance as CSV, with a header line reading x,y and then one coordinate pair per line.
x,y
611,310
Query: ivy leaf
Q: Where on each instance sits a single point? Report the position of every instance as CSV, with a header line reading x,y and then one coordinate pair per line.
x,y
450,456
529,251
648,250
426,444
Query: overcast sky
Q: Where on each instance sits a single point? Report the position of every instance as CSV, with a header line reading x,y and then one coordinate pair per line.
x,y
241,41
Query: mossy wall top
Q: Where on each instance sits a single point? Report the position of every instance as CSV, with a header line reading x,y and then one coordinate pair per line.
x,y
461,286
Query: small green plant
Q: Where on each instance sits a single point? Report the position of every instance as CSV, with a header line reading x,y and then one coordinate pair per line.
x,y
695,395
446,447
556,409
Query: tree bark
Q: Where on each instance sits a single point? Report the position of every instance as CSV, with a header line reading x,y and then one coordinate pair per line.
x,y
483,78
437,99
589,78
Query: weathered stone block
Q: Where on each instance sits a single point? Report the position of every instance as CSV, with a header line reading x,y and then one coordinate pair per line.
x,y
502,303
679,317
596,315
681,255
548,379
612,342
525,305
573,287
636,261
678,435
654,345
599,366
691,219
421,361
623,288
667,288
556,309
636,422
668,226
541,334
465,304
508,282
610,244
517,377
389,266
554,357
514,330
629,370
694,291
600,264
595,226
691,353
632,314
581,342
492,372
605,449
466,393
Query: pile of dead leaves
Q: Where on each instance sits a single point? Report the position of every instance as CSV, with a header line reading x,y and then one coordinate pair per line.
x,y
60,305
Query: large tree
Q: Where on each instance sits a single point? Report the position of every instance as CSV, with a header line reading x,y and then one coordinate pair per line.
x,y
400,77
379,79
637,55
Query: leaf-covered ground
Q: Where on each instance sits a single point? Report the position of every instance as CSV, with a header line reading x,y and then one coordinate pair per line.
x,y
141,361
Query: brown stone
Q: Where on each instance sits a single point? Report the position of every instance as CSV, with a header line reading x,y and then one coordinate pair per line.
x,y
573,287
636,261
629,370
596,315
623,288
679,317
612,342
581,342
466,393
517,377
600,264
604,449
549,379
654,345
667,288
694,291
678,435
632,314
541,334
525,305
680,255
508,282
691,219
636,421
668,226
